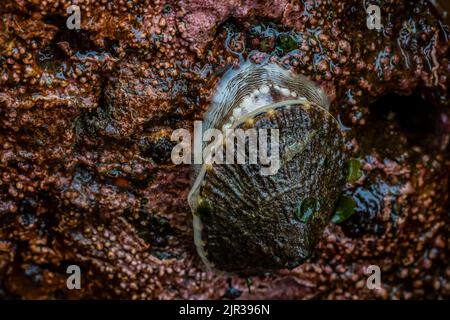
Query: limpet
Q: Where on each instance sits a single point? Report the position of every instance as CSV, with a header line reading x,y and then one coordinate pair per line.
x,y
248,222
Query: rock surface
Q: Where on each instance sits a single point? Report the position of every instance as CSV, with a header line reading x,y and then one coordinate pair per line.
x,y
86,118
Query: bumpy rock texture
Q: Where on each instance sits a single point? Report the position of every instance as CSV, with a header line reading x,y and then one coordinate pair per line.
x,y
86,118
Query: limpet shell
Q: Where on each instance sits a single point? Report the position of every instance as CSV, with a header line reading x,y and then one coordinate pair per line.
x,y
247,222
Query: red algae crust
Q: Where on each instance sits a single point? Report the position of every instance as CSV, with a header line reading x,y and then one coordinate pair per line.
x,y
86,118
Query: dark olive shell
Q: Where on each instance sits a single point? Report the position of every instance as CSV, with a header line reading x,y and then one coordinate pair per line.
x,y
250,223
